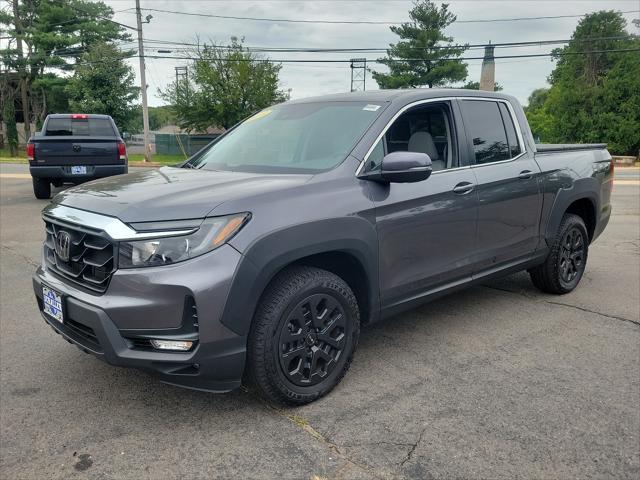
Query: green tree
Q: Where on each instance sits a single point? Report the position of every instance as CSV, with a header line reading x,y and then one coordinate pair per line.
x,y
540,121
424,56
47,37
9,114
225,85
476,86
158,117
595,87
104,83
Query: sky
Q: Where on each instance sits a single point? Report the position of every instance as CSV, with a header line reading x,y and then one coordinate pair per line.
x,y
519,77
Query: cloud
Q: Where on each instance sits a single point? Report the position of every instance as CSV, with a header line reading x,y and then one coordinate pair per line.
x,y
518,76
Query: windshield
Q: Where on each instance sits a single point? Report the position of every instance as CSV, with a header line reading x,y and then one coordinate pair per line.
x,y
291,138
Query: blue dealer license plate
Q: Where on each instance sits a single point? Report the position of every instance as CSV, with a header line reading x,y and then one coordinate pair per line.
x,y
52,304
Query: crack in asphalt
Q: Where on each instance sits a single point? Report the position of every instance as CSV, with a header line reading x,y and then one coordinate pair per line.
x,y
413,448
20,255
305,426
583,309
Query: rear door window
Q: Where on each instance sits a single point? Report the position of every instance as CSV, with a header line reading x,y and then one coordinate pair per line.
x,y
79,127
484,125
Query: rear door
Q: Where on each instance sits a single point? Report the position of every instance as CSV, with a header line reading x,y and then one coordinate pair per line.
x,y
509,199
78,140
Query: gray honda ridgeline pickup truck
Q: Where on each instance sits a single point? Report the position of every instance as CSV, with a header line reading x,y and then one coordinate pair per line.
x,y
260,257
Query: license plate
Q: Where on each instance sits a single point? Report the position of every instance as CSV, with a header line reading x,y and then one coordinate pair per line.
x,y
52,304
78,170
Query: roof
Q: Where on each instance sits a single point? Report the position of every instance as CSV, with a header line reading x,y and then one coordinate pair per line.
x,y
404,95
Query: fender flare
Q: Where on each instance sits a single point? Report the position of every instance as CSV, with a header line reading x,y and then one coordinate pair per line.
x,y
268,255
583,188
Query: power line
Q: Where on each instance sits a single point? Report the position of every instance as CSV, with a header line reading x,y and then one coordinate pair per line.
x,y
127,55
327,60
359,22
383,49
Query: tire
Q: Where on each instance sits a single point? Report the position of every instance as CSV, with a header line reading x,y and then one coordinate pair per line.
x,y
562,270
296,356
41,188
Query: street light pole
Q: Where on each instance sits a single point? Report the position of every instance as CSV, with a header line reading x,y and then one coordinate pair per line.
x,y
143,86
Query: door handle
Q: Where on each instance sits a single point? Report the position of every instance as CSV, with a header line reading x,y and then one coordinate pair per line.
x,y
464,187
525,175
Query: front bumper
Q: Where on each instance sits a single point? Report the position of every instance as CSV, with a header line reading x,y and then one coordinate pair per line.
x,y
150,302
63,172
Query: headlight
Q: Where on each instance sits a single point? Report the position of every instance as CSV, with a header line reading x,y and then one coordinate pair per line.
x,y
212,233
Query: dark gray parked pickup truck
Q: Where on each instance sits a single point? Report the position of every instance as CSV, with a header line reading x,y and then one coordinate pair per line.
x,y
74,148
261,257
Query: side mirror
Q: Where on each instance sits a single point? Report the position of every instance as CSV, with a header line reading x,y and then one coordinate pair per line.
x,y
401,167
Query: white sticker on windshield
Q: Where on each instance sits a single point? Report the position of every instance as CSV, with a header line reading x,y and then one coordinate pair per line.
x,y
371,108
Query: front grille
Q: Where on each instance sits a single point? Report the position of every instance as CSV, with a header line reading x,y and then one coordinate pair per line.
x,y
91,256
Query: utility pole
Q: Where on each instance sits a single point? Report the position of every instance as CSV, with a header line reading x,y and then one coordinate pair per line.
x,y
143,86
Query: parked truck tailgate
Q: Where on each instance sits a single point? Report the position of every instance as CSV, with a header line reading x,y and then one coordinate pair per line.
x,y
76,150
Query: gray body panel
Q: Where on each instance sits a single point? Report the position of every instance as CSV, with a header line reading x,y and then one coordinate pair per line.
x,y
411,242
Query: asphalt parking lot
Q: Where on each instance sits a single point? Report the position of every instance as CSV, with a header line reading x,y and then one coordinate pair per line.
x,y
499,381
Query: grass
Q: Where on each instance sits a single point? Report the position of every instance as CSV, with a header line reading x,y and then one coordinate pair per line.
x,y
5,156
134,158
158,158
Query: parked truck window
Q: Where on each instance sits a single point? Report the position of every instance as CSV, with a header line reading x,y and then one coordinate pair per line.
x,y
486,130
512,137
80,126
306,137
423,129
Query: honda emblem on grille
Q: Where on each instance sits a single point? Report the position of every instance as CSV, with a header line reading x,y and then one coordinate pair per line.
x,y
63,244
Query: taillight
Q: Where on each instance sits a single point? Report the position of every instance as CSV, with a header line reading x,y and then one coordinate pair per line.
x,y
82,116
31,151
122,150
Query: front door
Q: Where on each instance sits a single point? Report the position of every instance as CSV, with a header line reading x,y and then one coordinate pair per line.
x,y
426,230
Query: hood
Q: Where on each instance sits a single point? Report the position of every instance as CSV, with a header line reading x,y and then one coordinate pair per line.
x,y
170,193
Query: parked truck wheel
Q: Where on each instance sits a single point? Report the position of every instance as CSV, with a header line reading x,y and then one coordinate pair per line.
x,y
41,188
562,270
303,336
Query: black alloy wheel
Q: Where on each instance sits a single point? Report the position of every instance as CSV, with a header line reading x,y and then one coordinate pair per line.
x,y
572,255
303,335
312,339
564,266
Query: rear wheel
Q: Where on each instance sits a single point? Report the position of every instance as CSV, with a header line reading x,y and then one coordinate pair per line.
x,y
41,188
303,336
562,270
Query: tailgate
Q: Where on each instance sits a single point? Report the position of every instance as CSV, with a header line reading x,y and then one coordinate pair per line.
x,y
68,150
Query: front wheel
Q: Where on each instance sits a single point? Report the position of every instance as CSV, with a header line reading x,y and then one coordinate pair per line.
x,y
41,188
562,270
303,336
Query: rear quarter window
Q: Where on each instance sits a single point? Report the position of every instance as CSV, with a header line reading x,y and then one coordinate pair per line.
x,y
79,127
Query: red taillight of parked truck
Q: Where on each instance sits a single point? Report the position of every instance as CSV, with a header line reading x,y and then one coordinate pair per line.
x,y
122,151
31,151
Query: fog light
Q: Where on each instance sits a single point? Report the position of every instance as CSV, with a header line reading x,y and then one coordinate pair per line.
x,y
181,345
